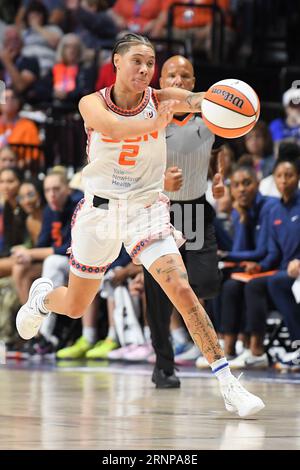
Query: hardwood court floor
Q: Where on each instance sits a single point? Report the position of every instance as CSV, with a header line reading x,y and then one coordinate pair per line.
x,y
103,409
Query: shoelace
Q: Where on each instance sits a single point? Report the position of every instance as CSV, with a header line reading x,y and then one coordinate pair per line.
x,y
240,387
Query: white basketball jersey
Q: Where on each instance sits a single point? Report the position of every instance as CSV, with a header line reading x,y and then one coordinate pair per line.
x,y
129,168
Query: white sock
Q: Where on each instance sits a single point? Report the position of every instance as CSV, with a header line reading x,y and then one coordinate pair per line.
x,y
179,335
221,370
112,333
39,304
89,332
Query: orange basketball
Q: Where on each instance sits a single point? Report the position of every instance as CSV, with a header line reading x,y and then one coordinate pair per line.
x,y
230,108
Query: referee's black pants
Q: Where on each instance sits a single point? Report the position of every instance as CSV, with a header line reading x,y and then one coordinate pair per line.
x,y
204,277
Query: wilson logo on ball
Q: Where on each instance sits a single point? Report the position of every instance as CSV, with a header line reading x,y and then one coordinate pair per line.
x,y
229,97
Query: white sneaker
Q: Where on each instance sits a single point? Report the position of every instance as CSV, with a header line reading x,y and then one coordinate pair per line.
x,y
28,320
247,360
238,400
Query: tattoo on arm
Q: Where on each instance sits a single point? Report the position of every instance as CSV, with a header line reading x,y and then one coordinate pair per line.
x,y
193,100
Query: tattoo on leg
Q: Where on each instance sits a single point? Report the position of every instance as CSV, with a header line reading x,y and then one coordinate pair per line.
x,y
203,333
168,269
183,276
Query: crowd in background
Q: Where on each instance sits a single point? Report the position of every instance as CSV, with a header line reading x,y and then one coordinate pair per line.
x,y
52,54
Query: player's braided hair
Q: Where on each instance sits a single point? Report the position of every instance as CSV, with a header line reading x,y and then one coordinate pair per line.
x,y
126,42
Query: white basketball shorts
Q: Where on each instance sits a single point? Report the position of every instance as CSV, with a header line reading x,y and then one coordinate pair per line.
x,y
98,233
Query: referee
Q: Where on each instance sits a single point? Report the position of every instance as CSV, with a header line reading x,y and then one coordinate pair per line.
x,y
189,146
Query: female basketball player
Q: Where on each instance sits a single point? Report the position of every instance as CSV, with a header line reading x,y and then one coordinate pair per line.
x,y
123,204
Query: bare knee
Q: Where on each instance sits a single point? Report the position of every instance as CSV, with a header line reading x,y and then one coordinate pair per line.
x,y
183,291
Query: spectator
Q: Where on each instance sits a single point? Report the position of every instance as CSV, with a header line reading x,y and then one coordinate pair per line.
x,y
30,198
16,70
249,217
90,20
289,126
250,227
40,38
196,23
8,157
141,17
54,7
227,156
12,218
288,151
71,78
13,128
283,247
54,239
259,147
279,287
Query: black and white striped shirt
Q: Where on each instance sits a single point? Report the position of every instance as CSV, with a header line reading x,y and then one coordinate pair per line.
x,y
189,145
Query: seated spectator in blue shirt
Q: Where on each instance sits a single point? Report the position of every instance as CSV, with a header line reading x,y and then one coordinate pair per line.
x,y
280,290
284,220
283,247
289,126
287,151
55,236
250,233
17,71
281,294
249,217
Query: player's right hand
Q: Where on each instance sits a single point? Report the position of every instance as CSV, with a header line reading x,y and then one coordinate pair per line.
x,y
173,179
165,113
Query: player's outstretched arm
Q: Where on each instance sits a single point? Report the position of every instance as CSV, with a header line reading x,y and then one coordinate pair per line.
x,y
188,102
97,117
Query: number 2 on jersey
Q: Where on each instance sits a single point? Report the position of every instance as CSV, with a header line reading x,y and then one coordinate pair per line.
x,y
129,154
